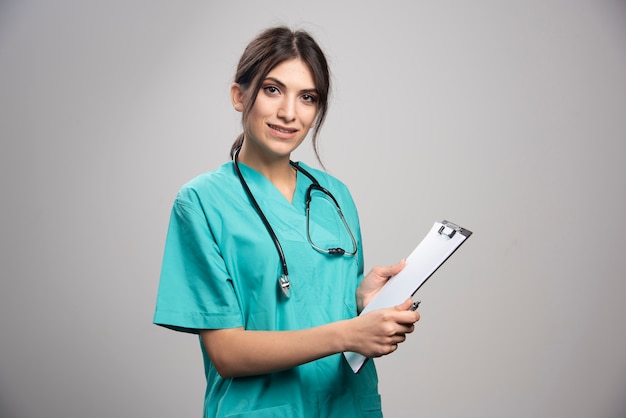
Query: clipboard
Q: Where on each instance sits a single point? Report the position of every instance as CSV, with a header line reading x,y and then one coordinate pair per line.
x,y
435,248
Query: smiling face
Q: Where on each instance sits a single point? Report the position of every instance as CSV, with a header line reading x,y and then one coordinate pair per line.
x,y
283,112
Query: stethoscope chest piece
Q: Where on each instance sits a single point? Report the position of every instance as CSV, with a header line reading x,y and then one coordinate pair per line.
x,y
283,282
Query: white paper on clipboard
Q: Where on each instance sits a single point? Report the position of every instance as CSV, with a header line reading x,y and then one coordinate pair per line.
x,y
436,247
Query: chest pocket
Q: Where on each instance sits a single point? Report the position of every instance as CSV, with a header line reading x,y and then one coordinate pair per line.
x,y
326,228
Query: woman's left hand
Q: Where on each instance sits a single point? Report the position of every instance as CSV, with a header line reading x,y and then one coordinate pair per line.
x,y
374,281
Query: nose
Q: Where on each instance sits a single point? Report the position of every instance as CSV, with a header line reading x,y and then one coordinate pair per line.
x,y
287,109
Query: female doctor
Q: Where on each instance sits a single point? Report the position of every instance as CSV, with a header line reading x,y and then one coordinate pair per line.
x,y
263,257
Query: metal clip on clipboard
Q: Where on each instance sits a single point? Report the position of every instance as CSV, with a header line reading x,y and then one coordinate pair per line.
x,y
449,229
436,247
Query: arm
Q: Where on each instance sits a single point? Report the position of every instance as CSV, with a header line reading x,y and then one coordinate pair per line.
x,y
237,352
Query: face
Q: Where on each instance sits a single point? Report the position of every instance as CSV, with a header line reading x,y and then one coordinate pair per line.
x,y
284,111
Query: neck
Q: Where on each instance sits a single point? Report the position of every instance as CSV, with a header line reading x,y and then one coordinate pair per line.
x,y
275,168
271,166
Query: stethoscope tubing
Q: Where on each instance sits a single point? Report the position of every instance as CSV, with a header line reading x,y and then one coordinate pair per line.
x,y
284,278
269,228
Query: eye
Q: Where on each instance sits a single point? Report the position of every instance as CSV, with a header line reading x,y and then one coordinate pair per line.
x,y
309,98
271,90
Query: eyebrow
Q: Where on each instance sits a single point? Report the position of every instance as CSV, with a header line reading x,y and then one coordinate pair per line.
x,y
282,85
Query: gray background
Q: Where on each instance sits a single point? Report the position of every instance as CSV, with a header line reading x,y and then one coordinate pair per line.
x,y
508,117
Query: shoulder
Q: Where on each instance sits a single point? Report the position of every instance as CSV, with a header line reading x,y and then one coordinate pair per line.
x,y
325,179
337,187
208,188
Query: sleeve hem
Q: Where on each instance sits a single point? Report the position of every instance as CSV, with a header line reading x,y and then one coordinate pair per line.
x,y
193,323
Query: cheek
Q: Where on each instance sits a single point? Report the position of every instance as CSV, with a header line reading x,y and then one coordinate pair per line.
x,y
309,117
256,116
261,108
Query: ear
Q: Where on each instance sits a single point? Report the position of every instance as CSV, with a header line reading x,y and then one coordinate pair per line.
x,y
236,97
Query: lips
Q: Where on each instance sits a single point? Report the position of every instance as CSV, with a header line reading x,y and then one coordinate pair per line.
x,y
282,129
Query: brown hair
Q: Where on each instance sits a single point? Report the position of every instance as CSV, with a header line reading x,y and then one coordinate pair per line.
x,y
270,48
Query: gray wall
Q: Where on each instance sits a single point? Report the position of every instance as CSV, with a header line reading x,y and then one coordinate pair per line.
x,y
506,117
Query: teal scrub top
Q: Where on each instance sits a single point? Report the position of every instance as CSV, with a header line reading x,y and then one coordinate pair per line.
x,y
221,268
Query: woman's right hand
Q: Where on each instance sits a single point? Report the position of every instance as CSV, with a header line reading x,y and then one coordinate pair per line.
x,y
378,333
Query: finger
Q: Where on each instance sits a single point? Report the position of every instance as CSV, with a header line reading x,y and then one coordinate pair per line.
x,y
407,317
407,329
388,349
404,306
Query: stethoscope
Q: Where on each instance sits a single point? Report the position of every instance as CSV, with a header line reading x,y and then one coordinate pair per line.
x,y
283,280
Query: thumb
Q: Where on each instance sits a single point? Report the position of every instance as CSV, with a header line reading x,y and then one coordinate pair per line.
x,y
396,268
388,271
404,306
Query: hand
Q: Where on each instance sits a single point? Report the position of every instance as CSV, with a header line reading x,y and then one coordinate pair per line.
x,y
379,332
374,281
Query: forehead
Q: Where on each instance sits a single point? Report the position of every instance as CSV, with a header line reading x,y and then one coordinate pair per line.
x,y
293,73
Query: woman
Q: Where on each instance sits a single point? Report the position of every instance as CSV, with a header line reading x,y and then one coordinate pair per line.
x,y
271,283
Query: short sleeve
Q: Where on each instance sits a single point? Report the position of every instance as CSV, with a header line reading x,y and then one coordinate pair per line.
x,y
195,289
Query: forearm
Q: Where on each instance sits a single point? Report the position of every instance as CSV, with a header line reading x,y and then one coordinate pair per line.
x,y
238,352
